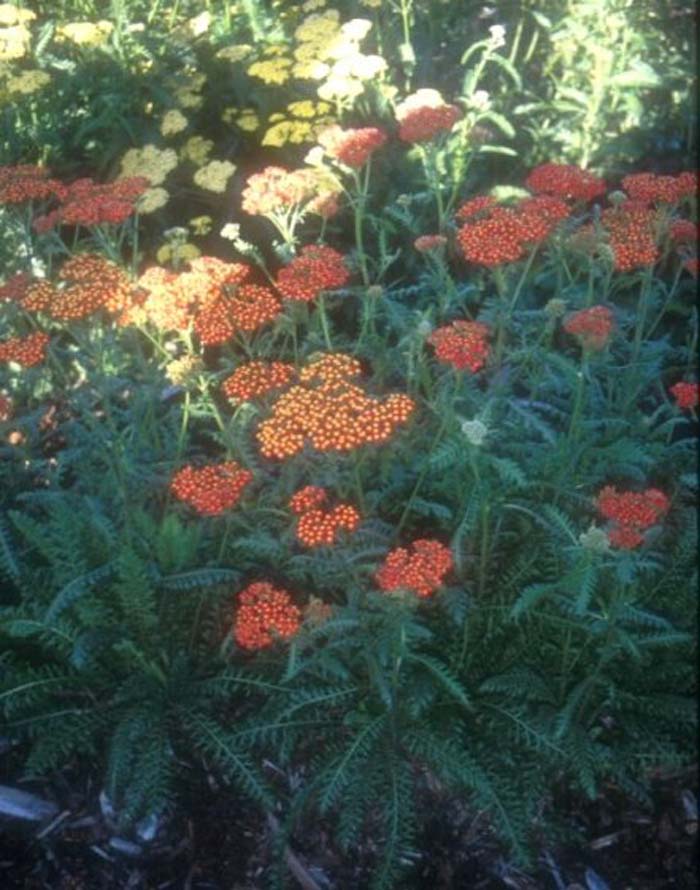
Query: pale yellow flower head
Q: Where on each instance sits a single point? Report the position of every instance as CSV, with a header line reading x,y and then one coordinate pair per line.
x,y
235,53
200,225
14,42
214,176
197,150
173,122
13,15
152,199
28,82
182,252
86,33
276,71
151,162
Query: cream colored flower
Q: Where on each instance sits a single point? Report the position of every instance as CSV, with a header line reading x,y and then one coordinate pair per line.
x,y
359,66
231,231
248,120
214,176
200,225
199,24
197,150
475,431
371,4
173,122
183,253
152,199
594,539
356,29
235,53
312,5
188,97
340,88
14,42
311,70
151,162
13,15
86,33
28,82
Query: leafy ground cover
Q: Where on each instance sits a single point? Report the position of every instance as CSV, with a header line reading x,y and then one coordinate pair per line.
x,y
348,420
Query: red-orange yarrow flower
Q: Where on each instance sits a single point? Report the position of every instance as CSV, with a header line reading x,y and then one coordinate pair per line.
x,y
351,147
423,115
25,351
257,378
212,489
316,269
565,181
630,513
264,614
462,344
686,394
420,568
592,327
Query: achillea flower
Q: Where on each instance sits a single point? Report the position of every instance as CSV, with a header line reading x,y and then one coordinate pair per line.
x,y
88,203
429,243
565,181
245,307
420,568
25,351
184,370
214,176
277,189
691,265
630,513
316,612
329,412
318,528
256,378
631,235
264,614
91,282
462,344
310,497
684,231
648,188
26,182
351,147
423,115
212,489
316,269
15,287
474,207
686,394
592,327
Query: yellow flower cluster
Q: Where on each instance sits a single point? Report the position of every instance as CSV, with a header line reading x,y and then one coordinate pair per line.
x,y
200,225
153,199
85,33
178,253
151,162
244,118
306,119
274,67
173,122
13,15
235,53
14,42
214,176
188,93
197,150
27,82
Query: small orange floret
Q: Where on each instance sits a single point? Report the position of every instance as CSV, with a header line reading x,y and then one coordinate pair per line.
x,y
264,613
212,489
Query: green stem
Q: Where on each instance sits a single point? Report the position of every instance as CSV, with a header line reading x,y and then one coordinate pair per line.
x,y
423,474
324,322
578,399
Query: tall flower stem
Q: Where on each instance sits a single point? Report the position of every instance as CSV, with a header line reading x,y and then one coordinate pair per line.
x,y
362,191
578,399
424,472
324,322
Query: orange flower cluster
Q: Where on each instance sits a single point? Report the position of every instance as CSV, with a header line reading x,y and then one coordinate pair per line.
x,y
318,526
462,344
25,182
316,269
684,231
88,203
420,568
687,395
25,351
212,489
692,264
423,115
264,613
277,189
631,513
351,147
429,243
631,236
330,412
257,378
565,181
592,327
93,282
648,188
493,234
246,307
474,207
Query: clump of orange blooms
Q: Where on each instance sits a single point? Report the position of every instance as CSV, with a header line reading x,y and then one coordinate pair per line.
x,y
27,182
88,203
25,351
316,269
212,489
257,378
329,412
264,613
631,235
462,344
592,327
420,568
630,513
650,188
318,525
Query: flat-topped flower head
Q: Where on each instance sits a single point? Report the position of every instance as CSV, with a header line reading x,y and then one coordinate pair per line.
x,y
27,182
212,489
257,378
591,327
316,269
265,614
462,344
649,188
630,230
631,513
424,114
420,568
565,181
352,147
25,351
